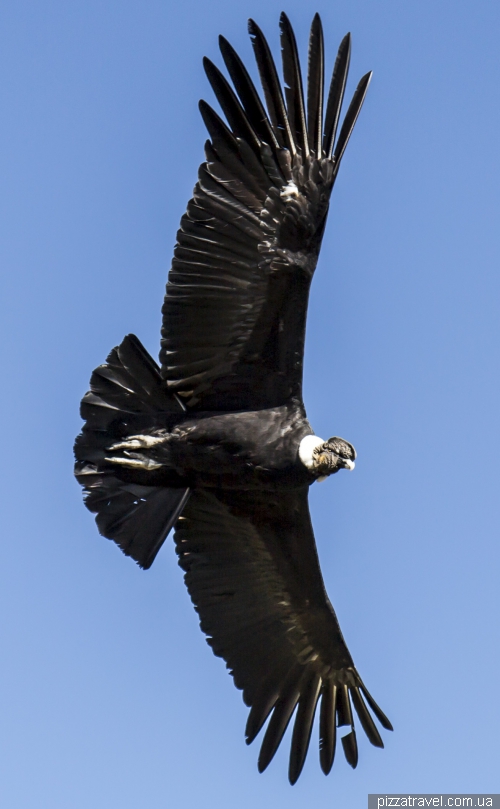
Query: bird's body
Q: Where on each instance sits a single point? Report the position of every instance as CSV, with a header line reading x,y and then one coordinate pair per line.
x,y
215,441
258,450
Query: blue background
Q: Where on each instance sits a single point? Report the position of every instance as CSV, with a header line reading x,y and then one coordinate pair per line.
x,y
109,695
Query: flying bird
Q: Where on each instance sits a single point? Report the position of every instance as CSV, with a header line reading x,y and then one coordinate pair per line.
x,y
214,441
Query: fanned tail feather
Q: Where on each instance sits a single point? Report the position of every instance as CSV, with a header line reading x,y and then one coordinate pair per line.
x,y
126,396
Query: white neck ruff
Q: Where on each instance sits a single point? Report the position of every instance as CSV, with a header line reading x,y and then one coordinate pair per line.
x,y
306,449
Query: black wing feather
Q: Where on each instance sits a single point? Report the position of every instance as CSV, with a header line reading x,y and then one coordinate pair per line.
x,y
303,726
271,87
336,94
344,711
293,84
282,713
328,726
230,105
351,118
239,181
253,574
315,85
223,140
350,745
261,707
248,94
364,717
264,198
382,718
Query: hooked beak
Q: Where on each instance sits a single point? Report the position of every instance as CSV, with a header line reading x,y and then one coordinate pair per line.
x,y
340,463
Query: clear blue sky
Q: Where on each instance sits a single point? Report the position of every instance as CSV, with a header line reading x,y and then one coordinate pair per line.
x,y
109,695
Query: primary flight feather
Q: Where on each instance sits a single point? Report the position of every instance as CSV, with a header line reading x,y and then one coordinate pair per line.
x,y
215,441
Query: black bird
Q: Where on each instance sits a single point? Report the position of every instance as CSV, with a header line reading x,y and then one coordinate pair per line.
x,y
215,440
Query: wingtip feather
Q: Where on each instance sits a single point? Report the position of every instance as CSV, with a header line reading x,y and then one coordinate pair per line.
x,y
315,86
293,84
350,745
303,726
247,93
272,88
278,723
259,712
367,722
351,117
336,94
382,718
327,727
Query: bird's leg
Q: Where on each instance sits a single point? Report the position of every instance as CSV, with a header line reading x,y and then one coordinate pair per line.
x,y
138,451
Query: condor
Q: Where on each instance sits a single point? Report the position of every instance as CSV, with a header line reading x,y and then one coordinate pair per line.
x,y
215,441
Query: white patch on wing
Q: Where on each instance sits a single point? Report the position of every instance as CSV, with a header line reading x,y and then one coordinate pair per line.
x,y
349,465
306,448
290,191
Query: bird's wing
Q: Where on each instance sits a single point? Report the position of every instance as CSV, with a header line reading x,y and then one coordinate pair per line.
x,y
235,308
253,574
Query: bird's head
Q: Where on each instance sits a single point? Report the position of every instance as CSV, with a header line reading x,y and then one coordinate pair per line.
x,y
324,458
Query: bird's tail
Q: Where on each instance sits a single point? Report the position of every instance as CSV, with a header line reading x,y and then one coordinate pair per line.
x,y
127,396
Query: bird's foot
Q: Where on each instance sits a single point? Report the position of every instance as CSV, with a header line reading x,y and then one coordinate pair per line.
x,y
138,442
129,454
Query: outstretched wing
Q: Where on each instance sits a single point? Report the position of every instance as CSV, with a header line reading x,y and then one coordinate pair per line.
x,y
253,574
235,308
